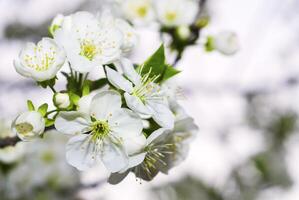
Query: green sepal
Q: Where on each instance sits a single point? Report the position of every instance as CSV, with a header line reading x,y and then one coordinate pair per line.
x,y
45,84
86,88
209,45
49,122
74,98
43,109
30,105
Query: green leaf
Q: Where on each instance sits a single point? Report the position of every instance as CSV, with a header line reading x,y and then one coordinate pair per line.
x,y
154,64
43,109
94,85
30,105
74,98
169,72
49,122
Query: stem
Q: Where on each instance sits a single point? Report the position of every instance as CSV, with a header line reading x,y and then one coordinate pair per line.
x,y
52,111
52,88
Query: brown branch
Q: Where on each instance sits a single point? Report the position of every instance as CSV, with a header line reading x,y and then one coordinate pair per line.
x,y
9,141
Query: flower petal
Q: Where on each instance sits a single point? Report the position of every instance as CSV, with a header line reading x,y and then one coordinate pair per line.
x,y
105,103
113,156
116,178
135,104
129,71
135,145
84,103
162,114
72,122
117,80
155,135
80,152
125,123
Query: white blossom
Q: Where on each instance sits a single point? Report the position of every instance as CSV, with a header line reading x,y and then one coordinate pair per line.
x,y
176,12
130,38
167,148
89,43
28,125
140,12
142,94
40,62
108,133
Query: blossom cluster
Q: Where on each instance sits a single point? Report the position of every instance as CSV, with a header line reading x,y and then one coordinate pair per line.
x,y
180,21
129,120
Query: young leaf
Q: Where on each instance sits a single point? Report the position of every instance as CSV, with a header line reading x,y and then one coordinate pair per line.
x,y
30,105
43,109
155,64
169,72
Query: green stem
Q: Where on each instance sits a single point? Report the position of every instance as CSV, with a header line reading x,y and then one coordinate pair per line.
x,y
52,88
52,111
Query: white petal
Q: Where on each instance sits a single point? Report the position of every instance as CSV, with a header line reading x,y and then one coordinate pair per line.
x,y
162,114
85,102
21,69
136,160
156,134
135,145
105,103
124,123
113,156
80,152
117,80
72,122
129,71
135,104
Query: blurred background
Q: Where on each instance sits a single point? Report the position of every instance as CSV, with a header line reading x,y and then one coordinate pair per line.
x,y
246,106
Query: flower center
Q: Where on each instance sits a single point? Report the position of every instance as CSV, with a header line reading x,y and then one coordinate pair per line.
x,y
88,49
147,89
24,128
40,61
142,11
170,16
99,130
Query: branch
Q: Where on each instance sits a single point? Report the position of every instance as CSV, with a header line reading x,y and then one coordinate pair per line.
x,y
9,141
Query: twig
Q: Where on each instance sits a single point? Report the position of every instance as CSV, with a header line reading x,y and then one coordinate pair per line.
x,y
9,141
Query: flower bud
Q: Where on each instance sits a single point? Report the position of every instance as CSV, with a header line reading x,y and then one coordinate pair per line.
x,y
62,100
226,42
28,125
183,32
56,23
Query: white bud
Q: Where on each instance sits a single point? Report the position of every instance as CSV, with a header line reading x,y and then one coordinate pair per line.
x,y
184,32
56,23
62,100
28,125
226,42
